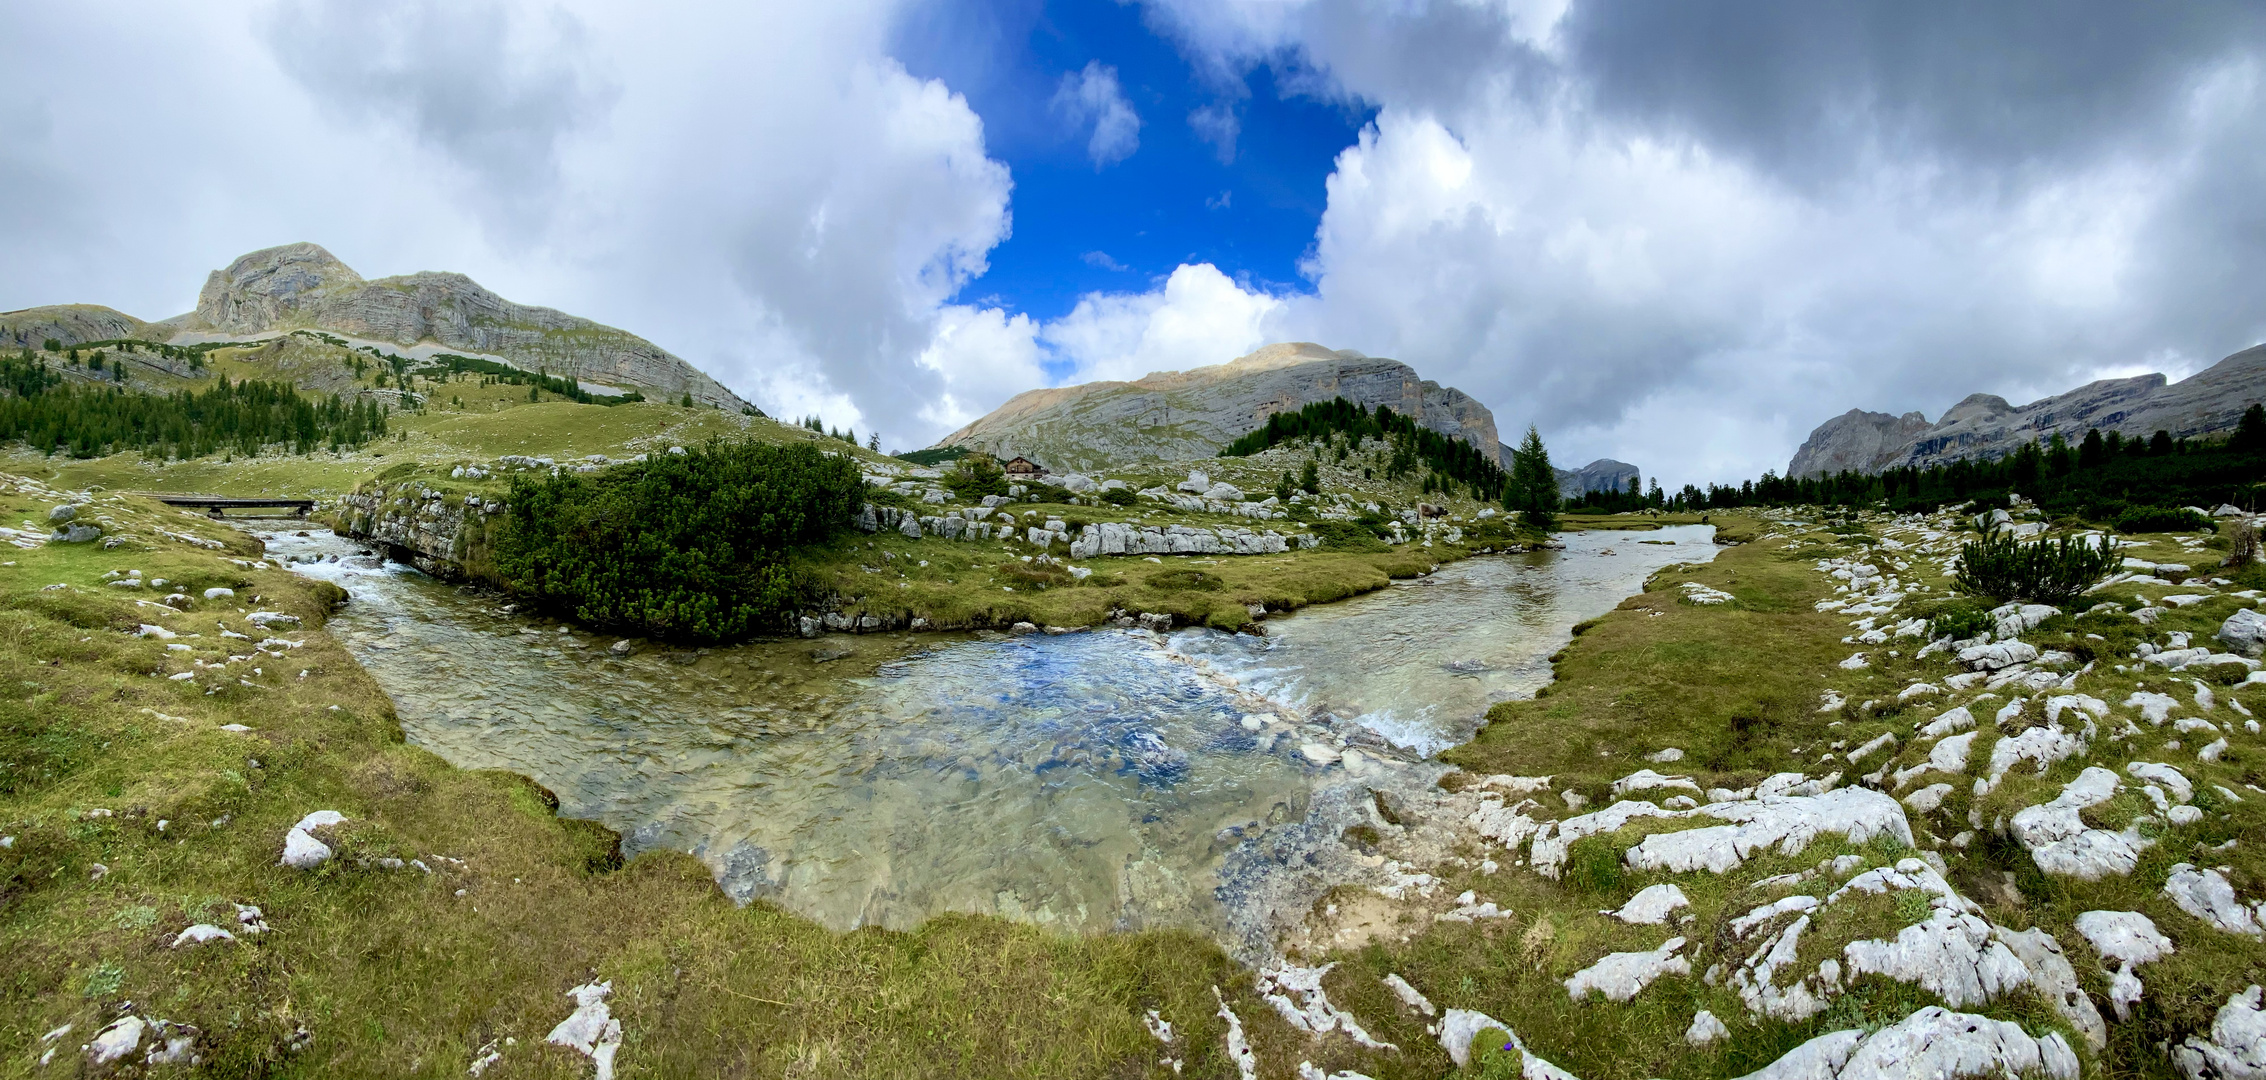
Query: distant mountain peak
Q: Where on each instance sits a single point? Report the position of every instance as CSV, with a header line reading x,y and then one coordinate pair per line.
x,y
1987,426
1184,414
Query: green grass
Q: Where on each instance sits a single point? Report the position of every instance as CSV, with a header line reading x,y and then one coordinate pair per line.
x,y
393,973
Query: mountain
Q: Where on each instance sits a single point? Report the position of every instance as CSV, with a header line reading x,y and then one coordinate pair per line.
x,y
1182,414
1986,426
1604,474
302,286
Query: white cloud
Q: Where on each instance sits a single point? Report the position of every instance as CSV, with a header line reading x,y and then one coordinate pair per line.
x,y
1218,125
1199,317
1091,97
759,189
1648,284
983,356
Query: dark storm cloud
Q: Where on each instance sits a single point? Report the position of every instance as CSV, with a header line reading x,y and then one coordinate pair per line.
x,y
1814,90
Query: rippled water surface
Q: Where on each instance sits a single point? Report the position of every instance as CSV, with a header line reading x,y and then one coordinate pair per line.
x,y
1089,781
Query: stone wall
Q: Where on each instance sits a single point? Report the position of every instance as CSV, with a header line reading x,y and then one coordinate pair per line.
x,y
1106,538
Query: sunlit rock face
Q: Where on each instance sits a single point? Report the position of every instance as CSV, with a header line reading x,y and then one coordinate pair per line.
x,y
302,285
1168,415
1985,426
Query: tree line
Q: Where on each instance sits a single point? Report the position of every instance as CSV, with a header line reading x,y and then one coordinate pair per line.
x,y
41,409
2104,477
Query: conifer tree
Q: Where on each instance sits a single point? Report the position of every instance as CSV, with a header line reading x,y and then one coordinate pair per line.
x,y
1533,487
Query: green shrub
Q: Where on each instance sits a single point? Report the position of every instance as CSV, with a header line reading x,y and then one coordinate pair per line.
x,y
682,547
1348,536
2045,571
1123,496
2145,519
975,476
1958,621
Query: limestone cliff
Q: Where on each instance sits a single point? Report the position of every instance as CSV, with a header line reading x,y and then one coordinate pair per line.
x,y
1988,427
302,285
1181,414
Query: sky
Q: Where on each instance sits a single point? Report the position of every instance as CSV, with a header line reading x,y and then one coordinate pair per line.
x,y
1680,233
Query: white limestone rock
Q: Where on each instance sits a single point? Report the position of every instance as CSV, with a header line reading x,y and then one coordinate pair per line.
x,y
122,1037
301,851
1996,655
1460,1026
2128,939
2207,895
1622,976
589,1030
1947,722
1652,905
2060,842
1296,993
201,933
1933,1043
2236,1049
2244,632
1705,1029
1648,780
1927,799
1788,823
1409,995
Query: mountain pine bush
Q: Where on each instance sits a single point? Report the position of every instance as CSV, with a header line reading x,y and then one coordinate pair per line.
x,y
682,547
2043,571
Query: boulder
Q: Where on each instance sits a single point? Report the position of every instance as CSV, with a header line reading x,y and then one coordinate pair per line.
x,y
301,851
62,514
1652,905
1224,492
1705,1029
122,1037
2244,632
77,534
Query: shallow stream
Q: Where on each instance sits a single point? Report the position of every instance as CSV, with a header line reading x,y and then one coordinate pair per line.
x,y
1109,779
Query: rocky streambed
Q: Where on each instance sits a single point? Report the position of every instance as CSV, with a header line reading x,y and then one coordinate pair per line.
x,y
1094,780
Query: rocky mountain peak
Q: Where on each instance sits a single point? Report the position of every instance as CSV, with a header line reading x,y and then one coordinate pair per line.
x,y
1986,426
1181,414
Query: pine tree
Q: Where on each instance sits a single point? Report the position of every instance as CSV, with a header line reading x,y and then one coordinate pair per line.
x,y
2250,431
1310,478
1533,487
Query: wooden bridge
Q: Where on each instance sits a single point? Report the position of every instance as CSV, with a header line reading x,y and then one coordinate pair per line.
x,y
215,505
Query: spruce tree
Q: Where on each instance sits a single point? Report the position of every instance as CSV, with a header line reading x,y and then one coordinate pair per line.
x,y
1533,487
2250,431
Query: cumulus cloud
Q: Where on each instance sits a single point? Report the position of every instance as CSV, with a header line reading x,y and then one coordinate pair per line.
x,y
983,356
1684,233
1199,316
1091,99
761,190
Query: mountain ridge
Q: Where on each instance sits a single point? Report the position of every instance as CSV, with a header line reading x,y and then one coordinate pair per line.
x,y
1988,426
1192,413
303,286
